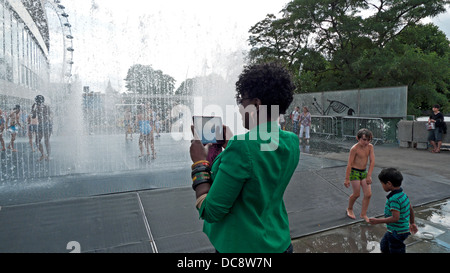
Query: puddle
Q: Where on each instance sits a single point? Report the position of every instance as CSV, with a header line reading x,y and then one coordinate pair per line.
x,y
323,147
426,231
438,213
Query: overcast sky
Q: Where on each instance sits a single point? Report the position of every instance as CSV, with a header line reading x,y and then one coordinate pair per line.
x,y
183,38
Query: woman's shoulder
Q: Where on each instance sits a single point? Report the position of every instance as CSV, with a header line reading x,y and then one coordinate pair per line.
x,y
237,140
289,136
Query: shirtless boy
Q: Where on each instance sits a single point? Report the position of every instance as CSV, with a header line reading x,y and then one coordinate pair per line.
x,y
45,125
357,175
146,130
14,124
32,129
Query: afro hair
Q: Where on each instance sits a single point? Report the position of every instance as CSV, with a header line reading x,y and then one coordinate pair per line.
x,y
269,82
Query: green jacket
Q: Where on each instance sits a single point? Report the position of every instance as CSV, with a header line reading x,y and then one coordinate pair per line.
x,y
244,210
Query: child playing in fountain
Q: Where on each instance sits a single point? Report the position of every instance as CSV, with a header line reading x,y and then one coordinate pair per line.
x,y
356,173
146,131
2,128
398,213
45,125
14,124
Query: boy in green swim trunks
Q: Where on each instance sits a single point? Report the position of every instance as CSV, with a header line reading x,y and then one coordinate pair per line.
x,y
356,173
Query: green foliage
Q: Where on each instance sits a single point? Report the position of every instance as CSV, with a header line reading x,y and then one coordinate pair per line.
x,y
329,45
143,79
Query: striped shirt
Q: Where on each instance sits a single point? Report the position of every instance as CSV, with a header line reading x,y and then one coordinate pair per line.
x,y
399,201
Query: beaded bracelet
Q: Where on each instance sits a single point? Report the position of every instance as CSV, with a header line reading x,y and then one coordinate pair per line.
x,y
200,173
201,162
198,182
200,169
201,176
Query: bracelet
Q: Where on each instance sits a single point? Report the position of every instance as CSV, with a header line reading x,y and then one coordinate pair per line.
x,y
201,176
201,162
198,203
200,173
196,183
200,169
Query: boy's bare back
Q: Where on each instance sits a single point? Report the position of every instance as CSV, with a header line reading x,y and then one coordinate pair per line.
x,y
13,118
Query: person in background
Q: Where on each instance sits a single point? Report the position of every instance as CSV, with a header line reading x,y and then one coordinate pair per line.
x,y
143,122
14,124
2,128
45,125
32,129
305,124
128,124
282,122
158,126
435,135
295,117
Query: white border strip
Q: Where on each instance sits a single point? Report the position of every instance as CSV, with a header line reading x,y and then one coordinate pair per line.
x,y
147,226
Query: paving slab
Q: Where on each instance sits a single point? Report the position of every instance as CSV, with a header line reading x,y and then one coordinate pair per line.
x,y
152,209
112,223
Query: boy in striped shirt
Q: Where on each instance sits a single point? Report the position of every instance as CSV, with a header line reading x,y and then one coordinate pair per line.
x,y
398,213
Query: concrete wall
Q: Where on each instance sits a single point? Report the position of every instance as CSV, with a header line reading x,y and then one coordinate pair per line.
x,y
414,134
388,102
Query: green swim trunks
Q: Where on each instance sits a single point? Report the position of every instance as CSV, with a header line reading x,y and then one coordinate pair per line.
x,y
357,174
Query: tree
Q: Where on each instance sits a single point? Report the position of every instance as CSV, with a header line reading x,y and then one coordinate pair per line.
x,y
143,79
151,87
421,57
347,44
277,39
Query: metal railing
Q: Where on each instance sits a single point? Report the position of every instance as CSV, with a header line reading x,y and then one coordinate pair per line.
x,y
324,125
351,125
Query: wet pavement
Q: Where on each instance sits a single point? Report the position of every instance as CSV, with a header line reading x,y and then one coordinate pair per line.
x,y
88,154
107,184
432,219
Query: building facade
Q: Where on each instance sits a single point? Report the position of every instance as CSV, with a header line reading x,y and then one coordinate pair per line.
x,y
24,47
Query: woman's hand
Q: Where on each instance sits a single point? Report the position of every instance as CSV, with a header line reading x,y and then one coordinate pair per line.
x,y
198,151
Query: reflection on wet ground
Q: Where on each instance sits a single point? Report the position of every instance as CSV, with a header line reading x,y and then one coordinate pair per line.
x,y
320,146
94,154
103,167
433,221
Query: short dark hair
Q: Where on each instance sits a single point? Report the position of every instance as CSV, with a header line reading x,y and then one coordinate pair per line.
x,y
391,175
39,99
437,106
364,132
270,82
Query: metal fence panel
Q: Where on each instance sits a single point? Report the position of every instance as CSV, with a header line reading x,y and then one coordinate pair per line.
x,y
351,125
324,125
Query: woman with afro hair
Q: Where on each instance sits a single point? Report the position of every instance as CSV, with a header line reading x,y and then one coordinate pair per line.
x,y
240,194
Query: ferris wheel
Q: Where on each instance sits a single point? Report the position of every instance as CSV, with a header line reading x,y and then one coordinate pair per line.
x,y
67,38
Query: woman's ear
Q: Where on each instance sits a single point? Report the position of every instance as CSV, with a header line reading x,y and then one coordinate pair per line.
x,y
257,102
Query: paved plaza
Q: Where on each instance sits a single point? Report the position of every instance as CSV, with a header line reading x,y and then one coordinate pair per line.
x,y
97,192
